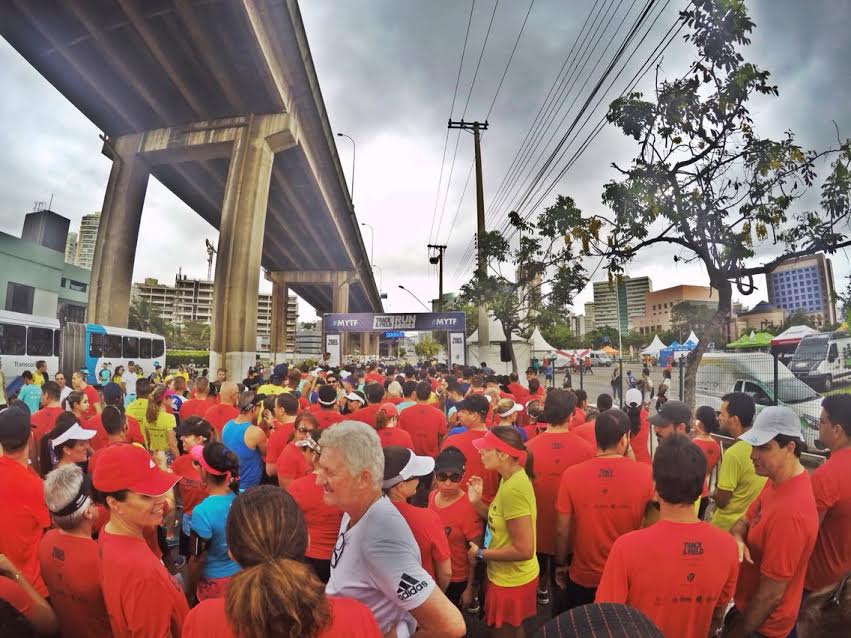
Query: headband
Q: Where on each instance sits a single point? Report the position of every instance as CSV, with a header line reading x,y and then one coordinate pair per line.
x,y
78,501
199,458
491,441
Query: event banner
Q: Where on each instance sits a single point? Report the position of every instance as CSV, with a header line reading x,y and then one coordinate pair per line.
x,y
367,322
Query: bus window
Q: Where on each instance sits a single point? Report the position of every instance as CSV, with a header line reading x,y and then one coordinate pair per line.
x,y
56,342
157,348
96,343
13,339
39,342
131,347
112,347
144,348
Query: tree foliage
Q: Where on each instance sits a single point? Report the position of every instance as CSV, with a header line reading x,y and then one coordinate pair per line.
x,y
427,348
707,184
689,315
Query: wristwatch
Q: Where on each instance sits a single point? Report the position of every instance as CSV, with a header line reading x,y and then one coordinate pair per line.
x,y
480,554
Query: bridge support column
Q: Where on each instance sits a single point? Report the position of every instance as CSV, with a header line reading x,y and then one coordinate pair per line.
x,y
233,333
278,337
118,234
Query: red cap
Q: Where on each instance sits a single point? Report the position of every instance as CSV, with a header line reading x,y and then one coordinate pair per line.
x,y
129,467
389,409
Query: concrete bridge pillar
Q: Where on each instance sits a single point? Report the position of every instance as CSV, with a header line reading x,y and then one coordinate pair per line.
x,y
278,336
118,234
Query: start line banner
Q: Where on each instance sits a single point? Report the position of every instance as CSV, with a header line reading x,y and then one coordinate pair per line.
x,y
368,322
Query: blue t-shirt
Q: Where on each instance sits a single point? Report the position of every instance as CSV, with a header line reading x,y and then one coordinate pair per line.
x,y
208,522
31,395
458,429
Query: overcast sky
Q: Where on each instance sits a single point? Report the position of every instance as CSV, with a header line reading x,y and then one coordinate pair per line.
x,y
387,71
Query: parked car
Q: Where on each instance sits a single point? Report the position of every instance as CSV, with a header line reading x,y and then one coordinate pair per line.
x,y
820,360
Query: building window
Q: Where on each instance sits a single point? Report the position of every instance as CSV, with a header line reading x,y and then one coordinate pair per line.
x,y
19,298
77,286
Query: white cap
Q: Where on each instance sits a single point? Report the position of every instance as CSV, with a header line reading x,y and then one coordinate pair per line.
x,y
315,372
770,422
74,433
514,408
401,464
353,396
633,396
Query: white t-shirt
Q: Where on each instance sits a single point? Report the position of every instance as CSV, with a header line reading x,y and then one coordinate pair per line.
x,y
64,394
377,562
129,379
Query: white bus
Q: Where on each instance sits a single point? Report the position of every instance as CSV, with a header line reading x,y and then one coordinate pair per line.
x,y
25,339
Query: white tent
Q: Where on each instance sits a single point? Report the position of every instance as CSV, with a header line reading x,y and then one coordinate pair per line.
x,y
491,354
793,335
693,338
654,348
539,344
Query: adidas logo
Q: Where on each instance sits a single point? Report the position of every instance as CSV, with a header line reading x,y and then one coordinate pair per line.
x,y
408,586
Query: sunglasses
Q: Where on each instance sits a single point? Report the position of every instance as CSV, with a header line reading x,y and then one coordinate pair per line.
x,y
303,430
443,476
339,548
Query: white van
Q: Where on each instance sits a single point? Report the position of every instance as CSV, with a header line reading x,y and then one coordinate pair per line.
x,y
599,358
720,373
820,360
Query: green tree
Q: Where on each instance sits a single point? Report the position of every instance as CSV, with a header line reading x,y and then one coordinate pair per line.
x,y
427,348
797,318
546,275
144,317
706,184
558,335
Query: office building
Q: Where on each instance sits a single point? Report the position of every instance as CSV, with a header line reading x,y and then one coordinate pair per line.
x,y
577,325
192,300
87,240
619,305
660,303
46,228
71,248
590,324
308,341
804,284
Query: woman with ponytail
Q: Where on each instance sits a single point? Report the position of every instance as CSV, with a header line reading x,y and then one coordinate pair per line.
x,y
276,593
78,403
158,425
210,567
66,443
639,426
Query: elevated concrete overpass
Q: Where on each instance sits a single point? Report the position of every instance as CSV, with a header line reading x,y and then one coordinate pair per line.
x,y
219,100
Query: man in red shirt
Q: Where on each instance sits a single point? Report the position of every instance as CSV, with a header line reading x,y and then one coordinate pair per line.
x,y
113,396
777,534
44,420
373,376
201,403
520,393
425,423
598,501
286,412
327,414
672,417
680,571
78,381
374,399
24,514
472,414
831,558
578,417
226,409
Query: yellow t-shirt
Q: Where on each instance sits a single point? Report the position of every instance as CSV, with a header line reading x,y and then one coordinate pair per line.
x,y
515,498
156,434
270,389
737,475
38,379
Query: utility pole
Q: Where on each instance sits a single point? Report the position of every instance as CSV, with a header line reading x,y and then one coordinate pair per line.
x,y
477,128
438,259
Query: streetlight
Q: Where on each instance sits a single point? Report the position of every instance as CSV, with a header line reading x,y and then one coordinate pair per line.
x,y
371,242
354,147
415,297
380,275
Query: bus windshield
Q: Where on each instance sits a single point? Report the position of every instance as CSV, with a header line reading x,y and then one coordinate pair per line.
x,y
812,348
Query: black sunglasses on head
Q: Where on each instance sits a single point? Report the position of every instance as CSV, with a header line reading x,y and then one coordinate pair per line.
x,y
443,476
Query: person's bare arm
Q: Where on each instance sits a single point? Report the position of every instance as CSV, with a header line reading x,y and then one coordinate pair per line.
x,y
271,469
740,533
41,616
722,497
256,438
437,617
172,443
521,532
562,549
475,487
768,595
443,573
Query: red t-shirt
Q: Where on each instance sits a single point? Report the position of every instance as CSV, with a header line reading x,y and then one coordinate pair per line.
x,y
712,451
639,442
94,399
220,414
577,419
366,414
349,619
461,525
520,393
783,525
16,596
677,574
552,454
24,519
326,418
291,463
428,532
426,425
473,466
69,566
605,498
374,377
196,407
192,490
101,439
832,489
322,521
141,597
395,436
278,440
586,433
43,421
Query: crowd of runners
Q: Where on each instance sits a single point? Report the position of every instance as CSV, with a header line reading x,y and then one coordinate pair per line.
x,y
385,500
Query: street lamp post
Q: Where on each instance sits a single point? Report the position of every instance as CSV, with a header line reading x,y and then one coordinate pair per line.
x,y
415,297
380,276
371,242
354,150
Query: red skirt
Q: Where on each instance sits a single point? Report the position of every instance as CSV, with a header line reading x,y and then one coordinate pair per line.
x,y
510,605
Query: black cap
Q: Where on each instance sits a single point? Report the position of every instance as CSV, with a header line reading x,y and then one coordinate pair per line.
x,y
196,426
474,403
112,393
248,399
401,464
671,413
450,460
327,395
14,427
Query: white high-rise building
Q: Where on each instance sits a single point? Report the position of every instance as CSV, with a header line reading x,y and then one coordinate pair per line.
x,y
71,249
87,240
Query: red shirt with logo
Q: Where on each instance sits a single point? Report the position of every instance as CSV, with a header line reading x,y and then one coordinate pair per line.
x,y
552,453
473,466
831,557
782,530
219,414
712,452
322,521
192,490
428,532
677,574
426,425
605,498
461,525
69,566
395,436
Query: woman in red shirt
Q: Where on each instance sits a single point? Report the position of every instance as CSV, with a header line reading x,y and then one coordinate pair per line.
x,y
639,431
78,403
293,462
192,431
276,593
386,420
705,425
65,444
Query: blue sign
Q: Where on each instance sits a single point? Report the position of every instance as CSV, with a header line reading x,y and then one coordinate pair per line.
x,y
393,334
393,322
